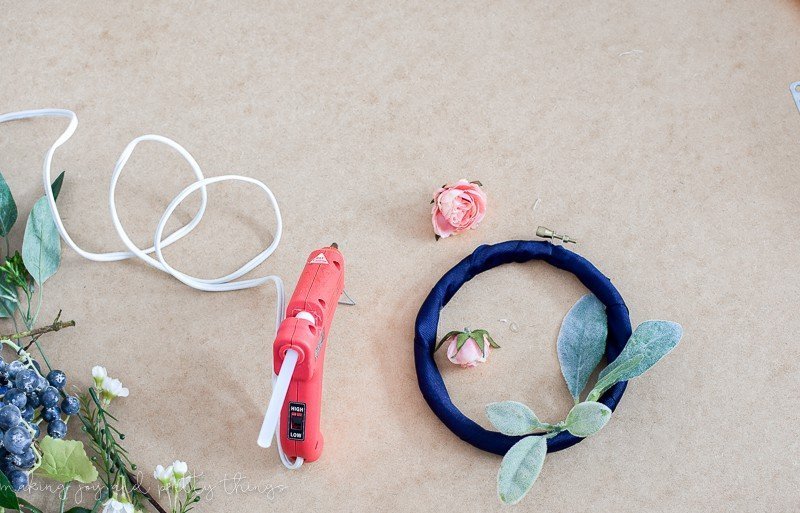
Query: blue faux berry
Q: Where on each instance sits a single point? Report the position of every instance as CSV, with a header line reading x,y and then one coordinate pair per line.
x,y
26,380
57,378
41,384
19,480
33,400
25,461
14,368
51,414
17,440
27,413
16,397
70,405
50,397
10,417
57,429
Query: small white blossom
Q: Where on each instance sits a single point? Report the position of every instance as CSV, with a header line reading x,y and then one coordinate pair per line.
x,y
179,468
115,506
99,374
112,388
164,475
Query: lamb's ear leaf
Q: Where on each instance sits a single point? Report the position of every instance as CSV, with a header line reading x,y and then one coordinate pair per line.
x,y
513,418
652,340
520,468
582,342
613,377
587,418
444,338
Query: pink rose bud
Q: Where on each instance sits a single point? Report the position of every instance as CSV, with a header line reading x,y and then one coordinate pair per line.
x,y
458,207
467,348
470,354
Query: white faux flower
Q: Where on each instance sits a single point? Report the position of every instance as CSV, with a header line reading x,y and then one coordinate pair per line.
x,y
112,388
99,374
164,475
115,506
179,468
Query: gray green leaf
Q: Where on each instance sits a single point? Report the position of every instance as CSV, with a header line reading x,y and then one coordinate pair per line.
x,y
587,418
652,340
8,208
582,342
513,418
520,467
613,377
41,245
66,461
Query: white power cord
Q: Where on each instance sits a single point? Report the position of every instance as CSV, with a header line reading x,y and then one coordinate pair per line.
x,y
224,283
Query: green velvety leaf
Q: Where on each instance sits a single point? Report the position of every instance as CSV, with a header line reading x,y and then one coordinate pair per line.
x,y
652,340
613,377
8,208
41,246
8,499
65,461
520,468
582,342
587,418
513,418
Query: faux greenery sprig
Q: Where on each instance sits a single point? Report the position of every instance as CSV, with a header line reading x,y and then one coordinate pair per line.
x,y
581,345
22,278
104,438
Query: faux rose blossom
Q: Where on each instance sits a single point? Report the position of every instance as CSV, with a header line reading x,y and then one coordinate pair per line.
x,y
467,348
457,207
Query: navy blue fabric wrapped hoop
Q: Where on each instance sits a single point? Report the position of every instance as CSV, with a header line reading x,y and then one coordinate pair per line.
x,y
487,257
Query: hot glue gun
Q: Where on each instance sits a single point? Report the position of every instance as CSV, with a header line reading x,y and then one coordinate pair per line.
x,y
298,357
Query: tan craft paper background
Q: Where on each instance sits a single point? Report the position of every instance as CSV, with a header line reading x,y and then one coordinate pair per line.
x,y
662,135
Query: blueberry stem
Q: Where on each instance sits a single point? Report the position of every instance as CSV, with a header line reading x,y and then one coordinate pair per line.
x,y
57,325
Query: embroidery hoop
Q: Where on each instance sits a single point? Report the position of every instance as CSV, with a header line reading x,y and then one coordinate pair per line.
x,y
487,257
